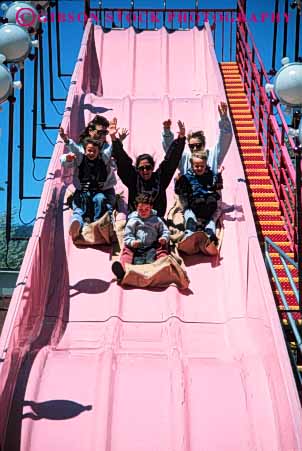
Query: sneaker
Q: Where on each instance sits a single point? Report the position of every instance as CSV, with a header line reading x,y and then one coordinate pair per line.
x,y
213,239
118,270
74,229
187,234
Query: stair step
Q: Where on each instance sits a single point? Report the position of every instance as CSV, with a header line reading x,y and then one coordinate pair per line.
x,y
258,196
282,273
276,254
255,186
286,323
231,89
266,204
266,228
260,178
284,282
284,245
257,172
245,127
267,224
233,76
267,215
252,163
247,149
291,267
285,279
276,261
242,115
279,235
252,157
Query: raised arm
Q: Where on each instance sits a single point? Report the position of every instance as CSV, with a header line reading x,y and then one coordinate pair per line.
x,y
219,152
167,135
77,149
169,165
125,168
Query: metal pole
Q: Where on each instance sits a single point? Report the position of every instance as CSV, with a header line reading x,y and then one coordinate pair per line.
x,y
298,151
273,69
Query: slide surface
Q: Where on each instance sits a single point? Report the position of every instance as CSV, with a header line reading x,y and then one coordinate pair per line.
x,y
153,370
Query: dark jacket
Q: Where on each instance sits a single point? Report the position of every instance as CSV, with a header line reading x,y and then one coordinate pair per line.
x,y
92,174
160,178
199,193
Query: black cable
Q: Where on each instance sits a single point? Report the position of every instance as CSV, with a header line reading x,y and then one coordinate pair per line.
x,y
49,140
21,220
55,107
33,173
65,87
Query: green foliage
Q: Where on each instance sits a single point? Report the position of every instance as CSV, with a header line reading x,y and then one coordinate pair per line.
x,y
16,249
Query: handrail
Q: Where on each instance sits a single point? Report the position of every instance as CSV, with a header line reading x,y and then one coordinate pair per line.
x,y
272,135
285,259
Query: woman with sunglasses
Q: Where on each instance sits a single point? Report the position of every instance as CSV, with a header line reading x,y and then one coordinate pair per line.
x,y
141,177
197,142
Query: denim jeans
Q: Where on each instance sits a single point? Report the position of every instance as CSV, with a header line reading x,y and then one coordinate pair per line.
x,y
141,256
144,255
92,206
191,224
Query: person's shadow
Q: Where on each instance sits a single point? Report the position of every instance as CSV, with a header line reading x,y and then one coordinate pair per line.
x,y
56,409
89,286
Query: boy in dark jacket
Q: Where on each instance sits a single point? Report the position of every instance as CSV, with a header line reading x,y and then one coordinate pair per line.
x,y
91,200
197,190
142,178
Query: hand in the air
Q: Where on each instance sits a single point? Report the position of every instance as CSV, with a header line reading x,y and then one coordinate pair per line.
x,y
63,135
223,109
123,133
181,129
113,128
167,124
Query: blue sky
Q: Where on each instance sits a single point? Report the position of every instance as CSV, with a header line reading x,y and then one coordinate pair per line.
x,y
70,41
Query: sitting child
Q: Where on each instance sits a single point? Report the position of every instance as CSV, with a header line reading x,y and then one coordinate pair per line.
x,y
197,190
92,198
97,131
146,237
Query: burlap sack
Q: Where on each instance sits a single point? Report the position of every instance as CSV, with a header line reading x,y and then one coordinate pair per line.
x,y
175,221
198,241
162,273
98,232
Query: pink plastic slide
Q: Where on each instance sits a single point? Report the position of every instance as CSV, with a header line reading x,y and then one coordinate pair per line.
x,y
86,365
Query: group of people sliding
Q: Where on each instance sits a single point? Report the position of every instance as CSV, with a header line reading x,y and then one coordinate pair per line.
x,y
146,236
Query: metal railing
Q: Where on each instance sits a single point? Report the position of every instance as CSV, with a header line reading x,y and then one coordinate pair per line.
x,y
270,124
291,317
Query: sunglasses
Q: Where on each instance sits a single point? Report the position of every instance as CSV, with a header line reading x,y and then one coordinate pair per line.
x,y
195,146
102,132
148,167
